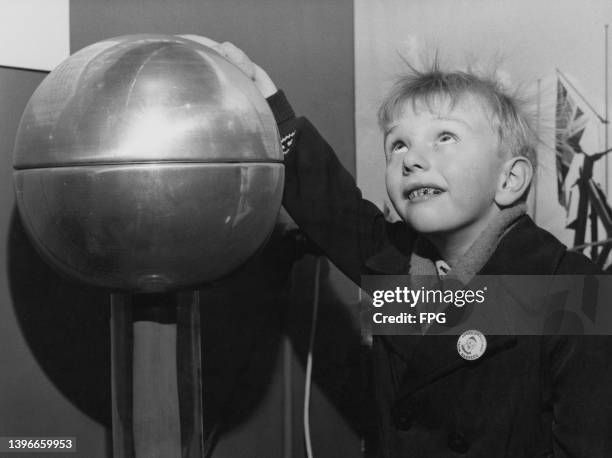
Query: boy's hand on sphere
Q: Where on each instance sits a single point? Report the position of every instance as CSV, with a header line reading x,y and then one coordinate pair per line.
x,y
236,56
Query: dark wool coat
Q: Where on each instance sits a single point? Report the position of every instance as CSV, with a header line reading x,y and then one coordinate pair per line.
x,y
527,396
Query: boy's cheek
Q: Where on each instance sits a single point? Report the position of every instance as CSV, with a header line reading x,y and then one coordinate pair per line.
x,y
392,186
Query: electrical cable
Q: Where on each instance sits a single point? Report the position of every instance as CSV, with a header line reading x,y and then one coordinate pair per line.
x,y
309,358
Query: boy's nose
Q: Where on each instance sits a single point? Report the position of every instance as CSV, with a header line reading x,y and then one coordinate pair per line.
x,y
414,161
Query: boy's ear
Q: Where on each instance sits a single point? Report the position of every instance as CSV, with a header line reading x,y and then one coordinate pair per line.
x,y
514,181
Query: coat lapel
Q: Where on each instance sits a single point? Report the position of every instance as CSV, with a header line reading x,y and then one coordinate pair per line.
x,y
437,357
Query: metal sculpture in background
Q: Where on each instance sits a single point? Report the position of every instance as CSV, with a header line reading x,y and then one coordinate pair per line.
x,y
570,124
148,165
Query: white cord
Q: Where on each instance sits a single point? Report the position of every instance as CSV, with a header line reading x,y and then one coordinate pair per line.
x,y
308,382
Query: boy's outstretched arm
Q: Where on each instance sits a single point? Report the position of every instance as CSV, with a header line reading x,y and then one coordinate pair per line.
x,y
323,199
320,194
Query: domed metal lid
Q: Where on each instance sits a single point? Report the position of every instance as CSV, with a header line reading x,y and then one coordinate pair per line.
x,y
145,99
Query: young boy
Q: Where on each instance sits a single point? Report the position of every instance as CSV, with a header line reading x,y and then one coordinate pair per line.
x,y
459,163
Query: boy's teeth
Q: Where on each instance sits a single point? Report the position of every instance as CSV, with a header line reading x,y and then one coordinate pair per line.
x,y
422,192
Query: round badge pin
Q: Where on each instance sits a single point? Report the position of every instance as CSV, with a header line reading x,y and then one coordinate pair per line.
x,y
471,344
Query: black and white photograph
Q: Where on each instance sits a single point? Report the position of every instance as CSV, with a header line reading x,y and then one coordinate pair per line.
x,y
305,229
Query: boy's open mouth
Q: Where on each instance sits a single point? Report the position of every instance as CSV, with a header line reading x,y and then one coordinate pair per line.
x,y
423,194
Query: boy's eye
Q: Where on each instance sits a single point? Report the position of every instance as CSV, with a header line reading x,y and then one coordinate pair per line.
x,y
447,137
398,147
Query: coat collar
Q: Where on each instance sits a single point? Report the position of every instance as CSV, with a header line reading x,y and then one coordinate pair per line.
x,y
525,250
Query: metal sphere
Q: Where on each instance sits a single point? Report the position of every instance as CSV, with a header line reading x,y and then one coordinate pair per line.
x,y
147,163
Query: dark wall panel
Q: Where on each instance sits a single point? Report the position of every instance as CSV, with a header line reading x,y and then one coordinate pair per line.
x,y
30,293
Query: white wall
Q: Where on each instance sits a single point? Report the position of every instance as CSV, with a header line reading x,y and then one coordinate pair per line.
x,y
34,34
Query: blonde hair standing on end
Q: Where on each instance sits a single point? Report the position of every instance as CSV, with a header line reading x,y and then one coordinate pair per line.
x,y
511,117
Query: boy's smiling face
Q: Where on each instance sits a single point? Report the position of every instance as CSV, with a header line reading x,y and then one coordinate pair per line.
x,y
443,166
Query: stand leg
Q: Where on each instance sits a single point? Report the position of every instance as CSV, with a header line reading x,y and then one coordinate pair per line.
x,y
156,372
190,374
121,375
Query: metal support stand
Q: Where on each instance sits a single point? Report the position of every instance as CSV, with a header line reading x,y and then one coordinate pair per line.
x,y
156,375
